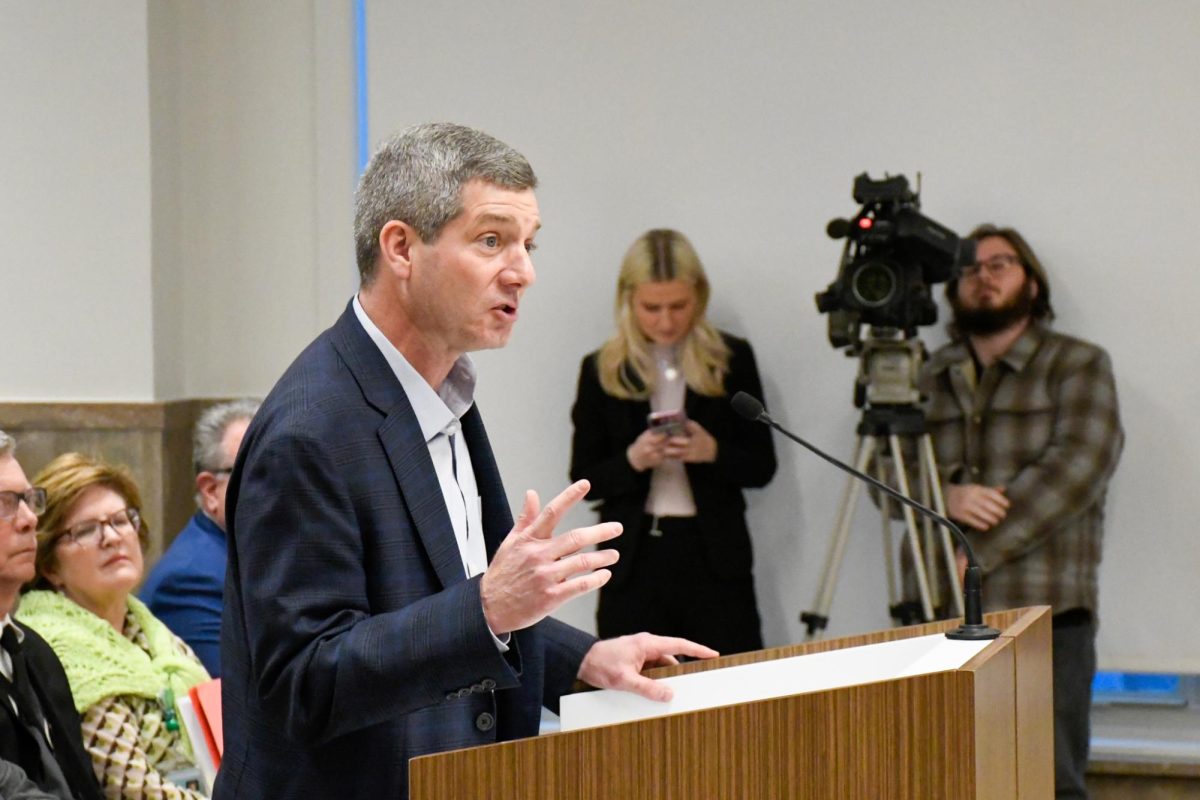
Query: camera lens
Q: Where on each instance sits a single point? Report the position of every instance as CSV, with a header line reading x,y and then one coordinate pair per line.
x,y
873,284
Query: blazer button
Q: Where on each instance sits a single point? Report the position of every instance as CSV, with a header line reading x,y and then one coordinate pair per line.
x,y
477,688
452,696
488,684
485,722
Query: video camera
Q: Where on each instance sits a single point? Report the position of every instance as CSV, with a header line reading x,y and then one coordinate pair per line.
x,y
893,255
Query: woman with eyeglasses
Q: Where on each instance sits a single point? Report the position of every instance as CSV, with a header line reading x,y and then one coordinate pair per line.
x,y
126,669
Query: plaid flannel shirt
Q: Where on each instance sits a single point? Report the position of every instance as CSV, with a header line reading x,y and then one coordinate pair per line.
x,y
1042,421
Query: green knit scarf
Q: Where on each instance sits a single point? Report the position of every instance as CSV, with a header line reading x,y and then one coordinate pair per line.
x,y
99,661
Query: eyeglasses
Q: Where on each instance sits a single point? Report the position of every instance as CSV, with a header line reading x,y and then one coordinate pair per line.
x,y
995,266
34,497
125,522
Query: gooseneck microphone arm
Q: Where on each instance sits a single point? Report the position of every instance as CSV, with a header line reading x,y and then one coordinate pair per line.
x,y
972,628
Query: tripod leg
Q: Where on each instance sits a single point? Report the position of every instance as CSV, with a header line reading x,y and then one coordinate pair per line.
x,y
927,535
910,524
889,559
816,620
929,461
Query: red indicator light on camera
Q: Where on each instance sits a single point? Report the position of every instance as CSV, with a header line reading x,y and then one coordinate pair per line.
x,y
865,223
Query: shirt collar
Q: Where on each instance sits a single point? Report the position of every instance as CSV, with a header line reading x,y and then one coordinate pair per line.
x,y
954,353
438,411
1016,357
7,622
207,523
1022,350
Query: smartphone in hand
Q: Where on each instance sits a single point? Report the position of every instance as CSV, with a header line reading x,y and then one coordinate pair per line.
x,y
672,423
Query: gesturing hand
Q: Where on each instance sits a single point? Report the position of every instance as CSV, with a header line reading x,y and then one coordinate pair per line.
x,y
535,572
618,663
981,507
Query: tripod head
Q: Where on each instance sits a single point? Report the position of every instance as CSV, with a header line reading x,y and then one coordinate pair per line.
x,y
889,363
885,388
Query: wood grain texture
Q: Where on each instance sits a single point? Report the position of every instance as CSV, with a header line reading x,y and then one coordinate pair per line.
x,y
994,723
1032,636
896,739
947,735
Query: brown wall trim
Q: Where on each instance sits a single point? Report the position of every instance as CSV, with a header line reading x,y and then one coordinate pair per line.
x,y
153,439
84,416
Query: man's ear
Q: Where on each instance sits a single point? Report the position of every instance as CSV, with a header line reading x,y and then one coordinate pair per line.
x,y
396,240
206,484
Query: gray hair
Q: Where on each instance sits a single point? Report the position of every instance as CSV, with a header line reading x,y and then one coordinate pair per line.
x,y
8,445
417,177
207,454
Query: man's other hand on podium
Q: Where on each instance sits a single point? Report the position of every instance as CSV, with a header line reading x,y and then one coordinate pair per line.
x,y
618,663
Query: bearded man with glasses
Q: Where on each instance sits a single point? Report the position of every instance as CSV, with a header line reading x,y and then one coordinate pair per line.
x,y
39,726
1025,424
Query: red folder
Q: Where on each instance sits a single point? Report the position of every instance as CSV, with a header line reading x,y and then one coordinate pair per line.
x,y
206,698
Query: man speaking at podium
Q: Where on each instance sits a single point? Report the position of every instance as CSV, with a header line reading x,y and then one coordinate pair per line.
x,y
380,602
1025,423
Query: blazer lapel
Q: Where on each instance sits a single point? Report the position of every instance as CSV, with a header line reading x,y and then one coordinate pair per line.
x,y
409,457
65,752
18,729
404,446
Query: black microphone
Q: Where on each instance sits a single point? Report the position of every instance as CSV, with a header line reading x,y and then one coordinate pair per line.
x,y
838,228
972,628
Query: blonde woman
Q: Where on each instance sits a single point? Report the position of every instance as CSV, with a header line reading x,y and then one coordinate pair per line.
x,y
667,456
126,669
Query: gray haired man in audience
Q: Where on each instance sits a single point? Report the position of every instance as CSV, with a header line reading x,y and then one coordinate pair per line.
x,y
39,727
186,586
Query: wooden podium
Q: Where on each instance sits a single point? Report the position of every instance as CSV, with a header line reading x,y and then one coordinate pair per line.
x,y
984,730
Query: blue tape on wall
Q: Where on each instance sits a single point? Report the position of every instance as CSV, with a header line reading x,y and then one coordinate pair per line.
x,y
360,83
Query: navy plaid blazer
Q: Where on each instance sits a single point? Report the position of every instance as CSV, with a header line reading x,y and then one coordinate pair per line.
x,y
352,639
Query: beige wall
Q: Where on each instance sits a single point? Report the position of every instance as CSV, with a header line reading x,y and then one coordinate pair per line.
x,y
252,243
743,124
175,205
170,232
75,202
162,191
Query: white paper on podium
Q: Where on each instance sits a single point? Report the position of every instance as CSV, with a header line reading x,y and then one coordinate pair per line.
x,y
779,678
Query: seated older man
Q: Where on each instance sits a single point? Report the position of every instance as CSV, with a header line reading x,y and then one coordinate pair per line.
x,y
186,587
39,726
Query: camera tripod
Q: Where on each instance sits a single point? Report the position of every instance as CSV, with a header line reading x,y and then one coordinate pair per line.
x,y
886,391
